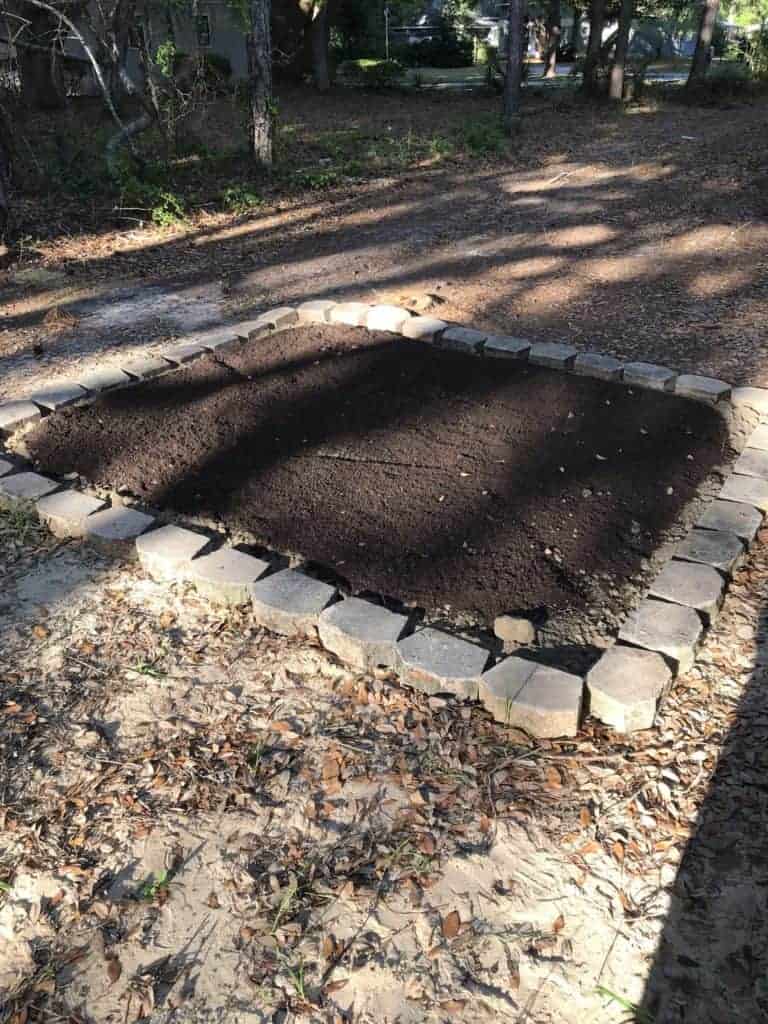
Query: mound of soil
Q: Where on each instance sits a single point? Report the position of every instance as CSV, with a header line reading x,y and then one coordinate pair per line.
x,y
457,484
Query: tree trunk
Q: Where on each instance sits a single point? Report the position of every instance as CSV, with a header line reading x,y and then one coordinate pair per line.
x,y
701,56
260,72
553,39
40,65
514,76
589,83
616,85
5,172
319,30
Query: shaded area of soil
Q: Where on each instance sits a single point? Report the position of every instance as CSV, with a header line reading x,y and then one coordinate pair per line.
x,y
460,485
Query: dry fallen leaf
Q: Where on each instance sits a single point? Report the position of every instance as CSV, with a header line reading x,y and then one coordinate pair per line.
x,y
451,925
585,817
114,969
617,849
558,924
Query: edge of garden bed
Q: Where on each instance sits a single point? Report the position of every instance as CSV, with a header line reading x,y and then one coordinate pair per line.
x,y
623,688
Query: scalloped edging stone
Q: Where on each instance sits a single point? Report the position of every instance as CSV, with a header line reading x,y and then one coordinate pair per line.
x,y
504,346
16,414
423,328
732,517
691,584
361,633
704,389
721,550
592,364
166,552
114,530
146,369
106,379
58,396
6,467
225,576
649,375
436,662
315,311
462,339
545,702
289,602
386,318
26,486
553,355
671,629
65,513
625,687
352,314
748,490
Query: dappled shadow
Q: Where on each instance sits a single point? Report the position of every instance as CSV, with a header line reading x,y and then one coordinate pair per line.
x,y
461,485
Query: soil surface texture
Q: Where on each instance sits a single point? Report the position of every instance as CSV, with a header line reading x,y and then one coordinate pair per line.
x,y
465,486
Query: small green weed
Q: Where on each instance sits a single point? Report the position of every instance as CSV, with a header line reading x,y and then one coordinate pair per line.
x,y
155,887
298,980
316,180
637,1014
167,209
485,137
148,668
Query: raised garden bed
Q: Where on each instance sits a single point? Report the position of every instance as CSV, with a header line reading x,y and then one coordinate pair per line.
x,y
464,487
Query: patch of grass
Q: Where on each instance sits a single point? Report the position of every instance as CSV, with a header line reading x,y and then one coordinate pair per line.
x,y
296,974
317,180
286,908
240,198
149,668
19,522
484,137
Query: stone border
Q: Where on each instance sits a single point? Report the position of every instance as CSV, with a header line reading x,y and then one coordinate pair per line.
x,y
624,687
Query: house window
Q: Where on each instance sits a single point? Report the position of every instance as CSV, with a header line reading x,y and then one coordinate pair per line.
x,y
203,30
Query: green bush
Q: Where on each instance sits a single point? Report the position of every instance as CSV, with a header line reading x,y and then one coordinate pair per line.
x,y
724,82
484,137
757,54
444,49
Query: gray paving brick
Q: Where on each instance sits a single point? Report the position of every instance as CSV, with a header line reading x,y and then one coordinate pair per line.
x,y
503,346
104,379
649,375
671,629
544,701
252,330
14,415
114,530
625,687
361,633
721,550
353,314
592,364
214,340
7,467
225,576
750,490
165,553
462,339
386,318
759,438
184,352
57,396
552,354
289,602
437,662
691,584
316,311
753,398
423,328
26,486
280,316
66,512
145,369
732,517
752,462
704,389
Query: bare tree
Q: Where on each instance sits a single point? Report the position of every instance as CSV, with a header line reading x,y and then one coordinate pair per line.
x,y
616,84
514,74
702,53
589,82
260,71
554,27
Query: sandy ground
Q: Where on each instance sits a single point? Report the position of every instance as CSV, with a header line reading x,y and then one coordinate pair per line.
x,y
203,823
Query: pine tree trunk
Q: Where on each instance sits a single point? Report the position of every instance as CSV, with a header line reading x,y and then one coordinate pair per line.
x,y
616,85
514,76
319,30
589,83
5,171
701,54
260,71
553,39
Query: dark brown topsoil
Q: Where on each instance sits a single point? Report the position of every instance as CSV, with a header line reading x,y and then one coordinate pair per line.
x,y
462,485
